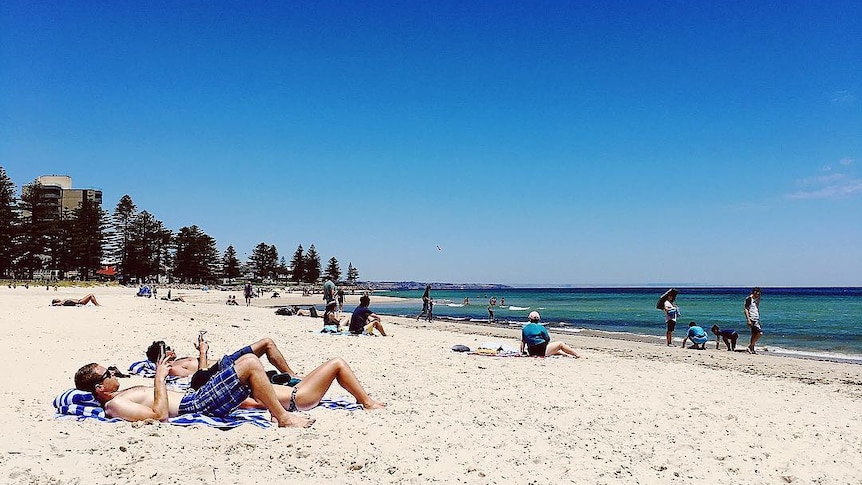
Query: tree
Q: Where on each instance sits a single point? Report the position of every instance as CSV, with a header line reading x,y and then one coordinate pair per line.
x,y
124,213
264,260
297,265
87,238
333,271
352,274
230,264
312,265
197,258
148,244
8,223
39,217
282,268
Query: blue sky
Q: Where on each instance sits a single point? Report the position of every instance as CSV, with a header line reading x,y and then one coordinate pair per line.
x,y
605,143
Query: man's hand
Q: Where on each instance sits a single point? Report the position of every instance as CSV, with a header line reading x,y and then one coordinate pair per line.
x,y
163,368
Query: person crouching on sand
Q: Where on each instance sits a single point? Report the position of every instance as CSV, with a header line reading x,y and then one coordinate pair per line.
x,y
535,337
729,336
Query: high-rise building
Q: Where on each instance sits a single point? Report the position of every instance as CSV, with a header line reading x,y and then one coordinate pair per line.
x,y
58,192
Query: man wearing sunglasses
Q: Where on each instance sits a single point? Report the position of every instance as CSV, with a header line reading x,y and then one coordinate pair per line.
x,y
237,383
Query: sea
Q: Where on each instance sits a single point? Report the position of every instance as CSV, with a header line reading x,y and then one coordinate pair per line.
x,y
805,322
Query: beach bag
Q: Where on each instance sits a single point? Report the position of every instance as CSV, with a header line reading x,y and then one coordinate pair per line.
x,y
286,311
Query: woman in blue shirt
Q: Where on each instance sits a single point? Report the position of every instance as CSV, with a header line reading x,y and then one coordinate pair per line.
x,y
535,337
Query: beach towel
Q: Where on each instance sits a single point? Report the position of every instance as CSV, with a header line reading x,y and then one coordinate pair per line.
x,y
145,368
80,405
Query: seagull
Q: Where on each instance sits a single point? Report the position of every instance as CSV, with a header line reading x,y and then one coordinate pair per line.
x,y
439,248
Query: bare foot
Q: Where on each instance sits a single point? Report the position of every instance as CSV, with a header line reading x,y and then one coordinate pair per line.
x,y
372,404
293,420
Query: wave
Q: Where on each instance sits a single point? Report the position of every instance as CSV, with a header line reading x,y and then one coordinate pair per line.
x,y
455,305
517,308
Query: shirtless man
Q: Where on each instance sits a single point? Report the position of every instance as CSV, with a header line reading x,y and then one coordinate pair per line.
x,y
223,393
186,366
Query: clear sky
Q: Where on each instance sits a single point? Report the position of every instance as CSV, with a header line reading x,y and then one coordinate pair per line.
x,y
601,143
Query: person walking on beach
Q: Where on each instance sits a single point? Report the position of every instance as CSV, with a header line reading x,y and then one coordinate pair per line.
x,y
752,317
537,341
667,303
426,297
248,292
490,311
339,295
328,291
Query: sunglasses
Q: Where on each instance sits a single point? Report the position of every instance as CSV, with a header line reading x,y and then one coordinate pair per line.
x,y
107,375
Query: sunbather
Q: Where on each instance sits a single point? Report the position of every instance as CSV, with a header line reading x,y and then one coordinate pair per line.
x,y
91,298
331,322
226,391
535,337
187,366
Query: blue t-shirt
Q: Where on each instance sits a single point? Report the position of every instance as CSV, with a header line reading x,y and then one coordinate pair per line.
x,y
697,334
359,319
535,334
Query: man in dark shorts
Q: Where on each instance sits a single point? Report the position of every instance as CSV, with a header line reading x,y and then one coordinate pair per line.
x,y
752,317
727,334
364,320
187,366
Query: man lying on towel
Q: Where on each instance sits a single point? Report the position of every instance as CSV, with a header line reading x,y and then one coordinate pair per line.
x,y
187,366
242,382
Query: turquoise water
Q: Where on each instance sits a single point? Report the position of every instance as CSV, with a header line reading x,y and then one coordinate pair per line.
x,y
817,321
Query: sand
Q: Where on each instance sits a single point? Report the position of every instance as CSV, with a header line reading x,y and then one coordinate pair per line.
x,y
629,412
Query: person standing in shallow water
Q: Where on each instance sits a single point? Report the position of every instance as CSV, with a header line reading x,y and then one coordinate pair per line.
x,y
752,317
426,298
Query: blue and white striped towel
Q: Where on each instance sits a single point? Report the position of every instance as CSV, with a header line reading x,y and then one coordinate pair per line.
x,y
83,405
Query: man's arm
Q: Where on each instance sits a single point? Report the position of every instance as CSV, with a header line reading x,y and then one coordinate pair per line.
x,y
124,408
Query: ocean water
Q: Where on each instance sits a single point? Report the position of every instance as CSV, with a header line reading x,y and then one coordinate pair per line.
x,y
808,321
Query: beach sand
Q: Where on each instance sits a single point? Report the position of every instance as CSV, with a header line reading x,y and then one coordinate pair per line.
x,y
629,412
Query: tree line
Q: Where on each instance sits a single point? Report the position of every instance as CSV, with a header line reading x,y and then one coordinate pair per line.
x,y
36,236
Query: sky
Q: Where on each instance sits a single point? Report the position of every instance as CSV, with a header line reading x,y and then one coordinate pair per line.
x,y
538,142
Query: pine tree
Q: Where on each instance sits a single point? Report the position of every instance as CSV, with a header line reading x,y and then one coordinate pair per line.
x,y
312,265
352,274
124,214
8,223
87,238
197,258
333,271
230,263
39,218
297,266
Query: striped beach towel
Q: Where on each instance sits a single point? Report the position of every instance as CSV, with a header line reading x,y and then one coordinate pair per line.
x,y
80,405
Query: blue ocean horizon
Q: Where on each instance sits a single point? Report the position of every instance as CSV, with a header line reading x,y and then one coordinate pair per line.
x,y
811,321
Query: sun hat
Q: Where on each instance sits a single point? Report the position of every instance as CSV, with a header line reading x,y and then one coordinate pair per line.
x,y
534,316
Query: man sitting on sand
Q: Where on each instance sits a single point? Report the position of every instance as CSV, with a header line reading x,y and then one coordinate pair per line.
x,y
187,366
223,393
697,335
728,335
535,337
364,320
91,298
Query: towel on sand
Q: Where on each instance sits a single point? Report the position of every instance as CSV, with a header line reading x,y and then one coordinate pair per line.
x,y
81,405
